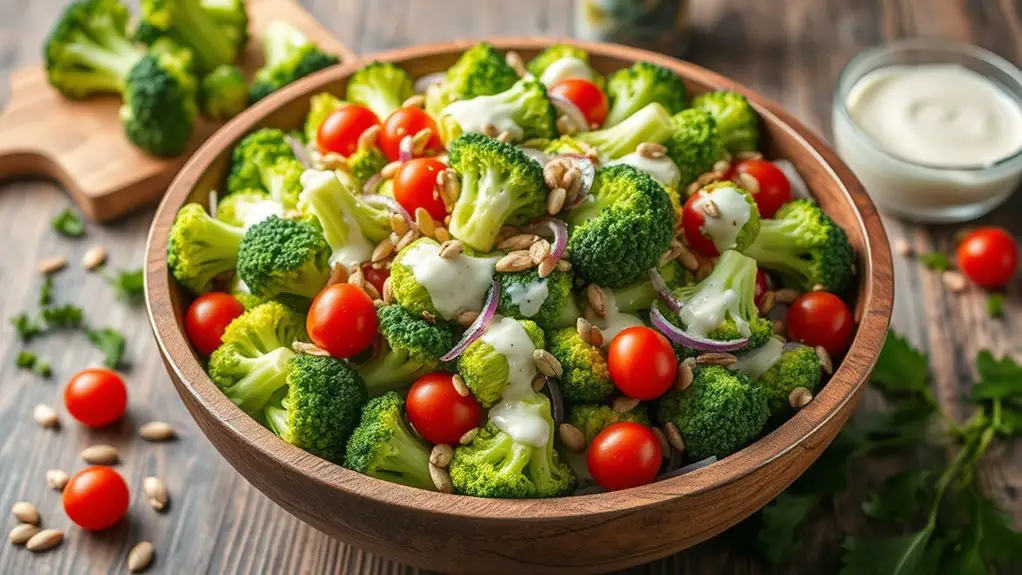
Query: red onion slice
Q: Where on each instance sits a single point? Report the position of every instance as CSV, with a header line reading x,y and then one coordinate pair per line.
x,y
423,82
372,184
680,336
404,150
567,107
391,204
560,237
799,189
660,285
478,326
300,152
690,467
588,169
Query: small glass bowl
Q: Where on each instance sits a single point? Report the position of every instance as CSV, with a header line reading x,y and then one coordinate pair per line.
x,y
908,189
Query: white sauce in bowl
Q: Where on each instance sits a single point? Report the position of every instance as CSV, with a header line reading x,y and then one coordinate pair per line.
x,y
756,362
529,297
517,413
474,114
662,170
261,210
616,321
565,68
454,284
735,212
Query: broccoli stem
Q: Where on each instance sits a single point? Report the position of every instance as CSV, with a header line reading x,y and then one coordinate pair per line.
x,y
276,419
114,62
279,41
265,375
409,464
199,31
652,123
391,371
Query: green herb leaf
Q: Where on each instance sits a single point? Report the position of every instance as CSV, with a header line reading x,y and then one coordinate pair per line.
x,y
46,291
64,316
901,497
995,305
69,224
936,261
25,359
900,368
998,379
1011,420
997,542
128,284
26,327
43,369
780,536
110,342
905,555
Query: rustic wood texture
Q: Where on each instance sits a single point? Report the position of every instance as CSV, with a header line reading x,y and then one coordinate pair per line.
x,y
217,522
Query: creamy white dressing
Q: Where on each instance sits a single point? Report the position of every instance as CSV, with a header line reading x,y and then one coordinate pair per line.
x,y
565,68
354,248
475,113
709,308
259,211
616,321
517,413
529,297
734,212
662,169
454,284
756,362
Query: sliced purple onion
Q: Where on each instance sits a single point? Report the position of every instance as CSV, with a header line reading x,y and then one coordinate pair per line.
x,y
588,169
538,155
214,201
799,189
567,107
372,184
391,204
423,82
690,467
556,400
660,285
300,152
680,336
480,324
404,150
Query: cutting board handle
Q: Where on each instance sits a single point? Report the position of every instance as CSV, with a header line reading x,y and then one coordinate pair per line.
x,y
26,125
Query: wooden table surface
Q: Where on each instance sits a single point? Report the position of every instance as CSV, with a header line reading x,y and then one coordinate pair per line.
x,y
217,523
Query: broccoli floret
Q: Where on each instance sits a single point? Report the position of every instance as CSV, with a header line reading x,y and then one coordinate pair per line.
x,y
480,71
592,418
190,24
485,370
383,447
629,89
547,301
264,160
224,92
350,226
412,348
497,465
720,229
586,375
321,407
284,259
650,124
365,163
737,122
641,296
721,412
500,185
798,367
380,86
245,208
288,56
694,144
542,62
320,106
531,113
232,17
199,248
252,363
622,228
805,247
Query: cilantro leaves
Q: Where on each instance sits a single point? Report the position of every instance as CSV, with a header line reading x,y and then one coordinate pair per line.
x,y
69,224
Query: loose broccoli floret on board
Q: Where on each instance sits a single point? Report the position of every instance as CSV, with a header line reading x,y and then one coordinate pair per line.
x,y
485,370
284,259
412,348
629,89
798,367
586,375
224,93
199,248
737,122
288,56
527,112
383,447
592,418
380,86
480,71
547,301
214,42
652,123
246,208
694,144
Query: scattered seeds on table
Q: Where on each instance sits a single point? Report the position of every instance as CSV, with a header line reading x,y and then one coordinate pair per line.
x,y
45,416
56,479
140,556
52,264
157,431
26,512
44,540
101,454
156,492
22,533
572,437
441,455
799,397
954,281
94,257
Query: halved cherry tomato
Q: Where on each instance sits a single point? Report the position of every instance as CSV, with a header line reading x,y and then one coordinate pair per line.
x,y
642,363
821,318
692,219
96,498
342,320
438,412
988,256
340,131
586,96
208,317
96,396
762,286
415,186
774,187
375,276
407,121
624,455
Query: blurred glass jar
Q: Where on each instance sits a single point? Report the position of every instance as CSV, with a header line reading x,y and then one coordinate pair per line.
x,y
660,25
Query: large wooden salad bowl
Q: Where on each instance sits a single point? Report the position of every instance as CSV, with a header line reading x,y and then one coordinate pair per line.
x,y
598,532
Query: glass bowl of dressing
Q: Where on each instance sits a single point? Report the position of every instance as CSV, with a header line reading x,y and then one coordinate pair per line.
x,y
932,128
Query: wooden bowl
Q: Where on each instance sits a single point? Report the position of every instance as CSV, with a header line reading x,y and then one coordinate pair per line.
x,y
588,533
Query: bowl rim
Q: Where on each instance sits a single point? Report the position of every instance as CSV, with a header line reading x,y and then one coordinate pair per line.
x,y
874,307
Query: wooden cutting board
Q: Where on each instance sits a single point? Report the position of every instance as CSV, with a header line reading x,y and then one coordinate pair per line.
x,y
81,144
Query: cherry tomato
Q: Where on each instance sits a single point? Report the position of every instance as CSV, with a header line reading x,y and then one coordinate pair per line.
x,y
988,256
375,276
96,396
342,320
642,363
624,455
588,97
438,412
340,131
692,219
407,121
208,317
821,318
415,186
96,498
762,286
774,187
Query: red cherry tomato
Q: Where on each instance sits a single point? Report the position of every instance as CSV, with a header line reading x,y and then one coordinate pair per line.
x,y
208,317
96,396
340,131
988,256
96,498
762,286
774,187
342,320
588,97
624,455
692,219
407,121
821,318
415,187
642,363
438,412
375,276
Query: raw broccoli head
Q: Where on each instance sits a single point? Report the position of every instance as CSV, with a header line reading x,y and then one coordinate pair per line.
x,y
232,17
798,367
199,248
320,106
224,93
592,418
586,375
496,465
213,41
241,209
526,103
737,122
721,412
548,56
289,55
485,370
380,86
547,301
264,160
629,89
284,259
500,185
350,226
160,106
87,51
412,349
365,163
383,447
721,229
621,229
481,70
694,144
652,123
321,407
805,247
641,296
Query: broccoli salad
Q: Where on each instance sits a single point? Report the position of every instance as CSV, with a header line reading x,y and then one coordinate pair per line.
x,y
515,280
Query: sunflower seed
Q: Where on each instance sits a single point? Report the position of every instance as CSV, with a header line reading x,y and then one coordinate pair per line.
x,y
562,266
416,101
451,249
409,237
514,60
597,299
539,251
388,294
665,447
767,303
468,436
546,363
721,166
674,436
779,326
692,189
448,186
565,126
420,140
357,277
369,137
382,251
708,178
101,454
572,437
140,556
429,316
506,232
749,182
553,172
441,479
338,274
56,479
371,291
441,234
45,416
825,362
954,281
459,385
156,492
555,201
517,242
589,332
685,375
26,512
308,349
623,404
441,455
572,180
22,533
94,257
786,296
749,156
466,318
716,358
398,224
390,169
516,261
538,382
651,150
709,207
799,397
52,264
546,267
45,539
157,431
424,222
490,130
